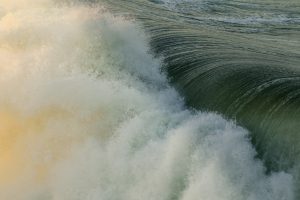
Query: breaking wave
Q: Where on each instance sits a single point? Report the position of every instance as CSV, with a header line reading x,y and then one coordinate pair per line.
x,y
86,112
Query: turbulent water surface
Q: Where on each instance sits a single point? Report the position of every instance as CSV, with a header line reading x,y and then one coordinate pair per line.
x,y
117,100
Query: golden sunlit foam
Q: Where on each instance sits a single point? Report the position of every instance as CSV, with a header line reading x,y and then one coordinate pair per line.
x,y
13,5
8,22
16,134
31,143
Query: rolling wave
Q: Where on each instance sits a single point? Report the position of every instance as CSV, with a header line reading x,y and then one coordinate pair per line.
x,y
87,111
238,58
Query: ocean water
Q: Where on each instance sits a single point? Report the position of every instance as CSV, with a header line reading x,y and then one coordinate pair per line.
x,y
88,113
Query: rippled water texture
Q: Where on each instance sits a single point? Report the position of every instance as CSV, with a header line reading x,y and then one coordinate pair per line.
x,y
237,58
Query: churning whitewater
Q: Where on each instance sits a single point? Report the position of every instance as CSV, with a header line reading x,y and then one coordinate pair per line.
x,y
86,113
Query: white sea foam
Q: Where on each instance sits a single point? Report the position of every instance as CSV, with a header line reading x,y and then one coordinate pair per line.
x,y
86,114
204,8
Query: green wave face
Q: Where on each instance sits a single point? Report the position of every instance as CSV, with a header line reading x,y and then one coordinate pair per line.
x,y
237,58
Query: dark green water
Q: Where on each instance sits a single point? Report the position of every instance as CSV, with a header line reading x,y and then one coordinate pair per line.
x,y
237,58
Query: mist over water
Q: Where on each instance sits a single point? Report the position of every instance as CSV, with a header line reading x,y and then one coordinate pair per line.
x,y
87,114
